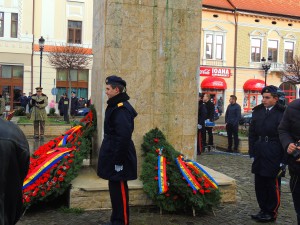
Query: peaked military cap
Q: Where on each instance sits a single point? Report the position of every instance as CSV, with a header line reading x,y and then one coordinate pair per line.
x,y
269,89
115,80
38,88
73,92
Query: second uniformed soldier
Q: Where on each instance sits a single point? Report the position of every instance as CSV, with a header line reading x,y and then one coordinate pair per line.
x,y
268,154
39,101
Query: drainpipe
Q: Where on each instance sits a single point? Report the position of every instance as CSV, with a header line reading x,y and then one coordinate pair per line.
x,y
235,45
33,14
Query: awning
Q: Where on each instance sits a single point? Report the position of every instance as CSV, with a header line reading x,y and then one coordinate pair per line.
x,y
214,83
254,85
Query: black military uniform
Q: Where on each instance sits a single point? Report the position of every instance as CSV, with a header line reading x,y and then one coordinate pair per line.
x,y
268,154
117,158
74,104
289,132
202,115
65,107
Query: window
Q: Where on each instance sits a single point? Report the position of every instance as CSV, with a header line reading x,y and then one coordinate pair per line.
x,y
79,82
288,52
214,46
255,50
74,31
7,71
251,99
1,24
14,25
273,50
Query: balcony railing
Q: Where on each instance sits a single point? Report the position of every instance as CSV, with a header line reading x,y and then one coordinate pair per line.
x,y
213,62
275,66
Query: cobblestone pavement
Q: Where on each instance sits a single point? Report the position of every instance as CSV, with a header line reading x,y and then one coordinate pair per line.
x,y
236,166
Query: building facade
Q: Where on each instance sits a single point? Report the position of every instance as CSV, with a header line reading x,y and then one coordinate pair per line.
x,y
236,38
60,23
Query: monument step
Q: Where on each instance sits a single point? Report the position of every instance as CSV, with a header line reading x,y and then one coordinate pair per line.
x,y
89,192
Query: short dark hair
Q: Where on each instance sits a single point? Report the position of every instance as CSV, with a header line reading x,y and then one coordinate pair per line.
x,y
234,97
121,87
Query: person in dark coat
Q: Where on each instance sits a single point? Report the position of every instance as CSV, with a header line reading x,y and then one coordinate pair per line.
x,y
65,107
60,105
28,101
14,164
24,101
202,114
232,118
117,161
210,116
74,104
268,154
289,134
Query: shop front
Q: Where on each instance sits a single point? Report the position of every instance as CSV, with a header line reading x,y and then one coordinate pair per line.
x,y
214,84
252,93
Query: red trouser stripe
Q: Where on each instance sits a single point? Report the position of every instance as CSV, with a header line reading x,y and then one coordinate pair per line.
x,y
278,198
124,202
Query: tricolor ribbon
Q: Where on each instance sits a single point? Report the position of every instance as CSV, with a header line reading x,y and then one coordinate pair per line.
x,y
55,155
189,177
162,175
200,170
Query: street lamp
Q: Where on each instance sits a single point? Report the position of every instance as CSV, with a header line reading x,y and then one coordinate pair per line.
x,y
41,44
266,65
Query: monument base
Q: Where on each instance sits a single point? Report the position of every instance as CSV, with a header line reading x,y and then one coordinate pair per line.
x,y
89,192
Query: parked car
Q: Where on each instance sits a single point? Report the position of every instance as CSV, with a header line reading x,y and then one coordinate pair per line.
x,y
83,111
246,119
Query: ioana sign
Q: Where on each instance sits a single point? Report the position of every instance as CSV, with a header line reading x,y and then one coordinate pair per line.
x,y
214,71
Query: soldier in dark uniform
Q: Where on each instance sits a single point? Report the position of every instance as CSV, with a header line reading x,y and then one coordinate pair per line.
x,y
210,116
202,114
39,101
289,134
268,154
65,107
117,158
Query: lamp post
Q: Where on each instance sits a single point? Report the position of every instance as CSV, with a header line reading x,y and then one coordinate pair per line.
x,y
41,44
266,65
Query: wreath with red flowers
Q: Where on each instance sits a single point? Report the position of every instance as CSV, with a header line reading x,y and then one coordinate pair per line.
x,y
55,164
172,182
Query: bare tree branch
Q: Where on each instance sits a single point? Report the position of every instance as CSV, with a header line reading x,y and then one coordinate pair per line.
x,y
291,73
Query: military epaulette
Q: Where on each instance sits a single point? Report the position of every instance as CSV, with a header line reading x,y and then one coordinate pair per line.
x,y
120,104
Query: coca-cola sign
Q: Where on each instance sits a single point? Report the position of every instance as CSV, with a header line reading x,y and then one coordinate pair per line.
x,y
215,71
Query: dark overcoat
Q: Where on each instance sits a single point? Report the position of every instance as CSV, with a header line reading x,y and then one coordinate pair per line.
x,y
289,132
14,164
74,105
117,146
264,144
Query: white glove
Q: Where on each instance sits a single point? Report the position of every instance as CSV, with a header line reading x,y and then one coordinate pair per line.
x,y
199,126
118,168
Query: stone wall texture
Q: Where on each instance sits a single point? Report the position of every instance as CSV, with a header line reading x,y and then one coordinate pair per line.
x,y
154,45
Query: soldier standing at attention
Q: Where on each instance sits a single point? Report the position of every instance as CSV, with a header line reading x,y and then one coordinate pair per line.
x,y
268,153
117,158
39,101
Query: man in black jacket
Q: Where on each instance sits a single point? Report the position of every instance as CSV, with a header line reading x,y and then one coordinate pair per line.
x,y
232,118
289,134
117,158
268,154
210,116
74,104
14,164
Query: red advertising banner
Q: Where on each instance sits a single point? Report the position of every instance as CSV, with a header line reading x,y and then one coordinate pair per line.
x,y
215,72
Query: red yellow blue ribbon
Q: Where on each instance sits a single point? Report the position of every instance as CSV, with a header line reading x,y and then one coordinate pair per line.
x,y
189,177
54,156
162,175
205,175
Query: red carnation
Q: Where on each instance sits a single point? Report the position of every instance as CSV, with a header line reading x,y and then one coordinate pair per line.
x,y
156,178
156,140
201,191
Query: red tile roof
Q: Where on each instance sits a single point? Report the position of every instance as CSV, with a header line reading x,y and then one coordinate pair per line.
x,y
290,8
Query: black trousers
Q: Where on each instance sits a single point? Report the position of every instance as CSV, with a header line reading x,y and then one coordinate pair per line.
x,y
267,191
295,189
232,130
210,135
201,139
118,191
